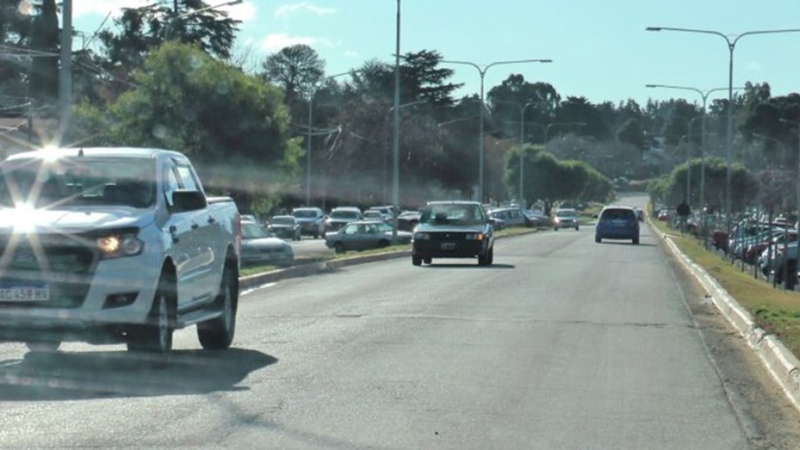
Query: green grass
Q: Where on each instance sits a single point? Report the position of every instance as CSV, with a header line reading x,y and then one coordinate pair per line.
x,y
775,310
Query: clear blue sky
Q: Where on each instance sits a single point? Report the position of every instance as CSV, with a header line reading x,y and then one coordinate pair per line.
x,y
600,49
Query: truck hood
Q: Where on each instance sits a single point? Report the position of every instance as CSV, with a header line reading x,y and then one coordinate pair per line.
x,y
73,220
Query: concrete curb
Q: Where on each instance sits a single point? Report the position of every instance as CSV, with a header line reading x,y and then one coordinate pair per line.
x,y
779,361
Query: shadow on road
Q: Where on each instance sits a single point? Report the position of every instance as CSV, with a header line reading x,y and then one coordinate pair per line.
x,y
628,244
470,266
90,375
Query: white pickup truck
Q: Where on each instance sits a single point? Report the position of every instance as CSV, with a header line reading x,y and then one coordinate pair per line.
x,y
114,245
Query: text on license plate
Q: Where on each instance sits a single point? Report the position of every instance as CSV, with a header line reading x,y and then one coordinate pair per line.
x,y
448,245
24,293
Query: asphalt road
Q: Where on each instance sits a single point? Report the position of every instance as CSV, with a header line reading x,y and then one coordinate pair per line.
x,y
562,343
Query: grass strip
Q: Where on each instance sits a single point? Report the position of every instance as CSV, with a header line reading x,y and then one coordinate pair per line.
x,y
775,310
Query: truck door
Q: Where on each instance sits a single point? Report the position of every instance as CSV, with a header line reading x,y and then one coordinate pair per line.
x,y
208,239
182,227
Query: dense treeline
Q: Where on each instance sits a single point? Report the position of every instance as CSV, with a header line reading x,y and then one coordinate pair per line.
x,y
168,75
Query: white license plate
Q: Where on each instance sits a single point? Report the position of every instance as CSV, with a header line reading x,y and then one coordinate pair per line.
x,y
24,293
448,245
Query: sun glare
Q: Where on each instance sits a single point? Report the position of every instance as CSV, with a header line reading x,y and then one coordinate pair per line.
x,y
24,221
51,153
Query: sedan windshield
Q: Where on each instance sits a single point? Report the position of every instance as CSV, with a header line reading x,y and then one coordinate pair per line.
x,y
305,214
253,231
453,214
344,215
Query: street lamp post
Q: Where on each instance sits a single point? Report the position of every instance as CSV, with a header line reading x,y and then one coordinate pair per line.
x,y
704,95
729,134
396,135
522,110
312,93
386,156
65,71
482,72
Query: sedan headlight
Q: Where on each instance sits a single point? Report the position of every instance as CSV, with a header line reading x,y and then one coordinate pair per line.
x,y
119,245
422,236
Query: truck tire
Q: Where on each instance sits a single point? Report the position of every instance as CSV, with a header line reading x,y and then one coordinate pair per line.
x,y
339,248
217,334
487,258
156,335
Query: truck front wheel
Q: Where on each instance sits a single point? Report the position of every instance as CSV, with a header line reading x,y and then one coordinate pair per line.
x,y
217,334
156,335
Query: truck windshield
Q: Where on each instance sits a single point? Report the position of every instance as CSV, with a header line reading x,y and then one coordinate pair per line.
x,y
78,180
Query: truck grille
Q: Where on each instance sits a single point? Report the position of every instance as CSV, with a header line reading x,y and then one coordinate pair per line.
x,y
62,263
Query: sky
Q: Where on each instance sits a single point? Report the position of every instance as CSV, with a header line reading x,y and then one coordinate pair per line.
x,y
599,48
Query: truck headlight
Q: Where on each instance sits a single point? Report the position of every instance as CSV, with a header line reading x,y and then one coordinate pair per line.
x,y
474,237
119,245
422,236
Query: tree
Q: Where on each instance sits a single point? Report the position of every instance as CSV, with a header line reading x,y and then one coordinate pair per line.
x,y
507,100
297,69
424,80
140,30
631,132
581,110
671,188
44,39
680,115
15,29
234,127
549,179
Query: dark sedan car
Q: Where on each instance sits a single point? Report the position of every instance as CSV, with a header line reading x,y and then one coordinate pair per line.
x,y
617,222
453,229
285,227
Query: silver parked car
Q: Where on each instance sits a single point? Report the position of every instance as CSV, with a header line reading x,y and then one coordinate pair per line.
x,y
364,235
566,218
259,246
311,220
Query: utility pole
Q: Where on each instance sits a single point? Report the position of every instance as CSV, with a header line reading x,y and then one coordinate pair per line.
x,y
65,72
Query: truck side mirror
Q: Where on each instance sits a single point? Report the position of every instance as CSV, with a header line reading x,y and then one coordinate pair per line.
x,y
186,200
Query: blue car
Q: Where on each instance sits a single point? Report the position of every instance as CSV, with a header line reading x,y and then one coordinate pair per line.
x,y
617,222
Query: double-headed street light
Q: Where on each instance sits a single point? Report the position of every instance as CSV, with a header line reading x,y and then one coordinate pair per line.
x,y
729,134
482,71
704,95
